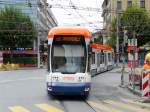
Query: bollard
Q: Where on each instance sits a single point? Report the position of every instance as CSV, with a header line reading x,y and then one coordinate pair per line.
x,y
145,85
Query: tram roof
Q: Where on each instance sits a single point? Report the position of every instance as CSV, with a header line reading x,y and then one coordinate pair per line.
x,y
69,31
101,47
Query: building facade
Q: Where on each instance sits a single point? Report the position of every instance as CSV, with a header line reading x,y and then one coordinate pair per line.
x,y
45,19
40,14
26,6
112,7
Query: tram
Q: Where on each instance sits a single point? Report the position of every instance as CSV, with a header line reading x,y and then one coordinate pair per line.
x,y
68,61
102,58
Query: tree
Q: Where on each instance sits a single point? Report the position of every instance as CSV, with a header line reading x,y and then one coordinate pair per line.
x,y
16,29
136,20
111,41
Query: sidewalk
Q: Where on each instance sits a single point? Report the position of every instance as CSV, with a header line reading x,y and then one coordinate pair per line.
x,y
127,82
24,68
127,69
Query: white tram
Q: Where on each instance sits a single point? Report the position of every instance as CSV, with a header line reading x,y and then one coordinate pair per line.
x,y
68,61
102,58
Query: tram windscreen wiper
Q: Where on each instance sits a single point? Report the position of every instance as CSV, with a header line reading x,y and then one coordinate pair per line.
x,y
68,72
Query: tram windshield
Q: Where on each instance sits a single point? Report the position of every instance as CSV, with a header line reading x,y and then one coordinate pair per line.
x,y
69,55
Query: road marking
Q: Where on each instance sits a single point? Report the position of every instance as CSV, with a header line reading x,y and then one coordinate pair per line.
x,y
18,109
102,107
31,78
48,108
125,106
136,102
5,81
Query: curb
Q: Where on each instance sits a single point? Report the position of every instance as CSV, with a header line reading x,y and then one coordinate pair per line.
x,y
34,68
145,100
135,91
31,68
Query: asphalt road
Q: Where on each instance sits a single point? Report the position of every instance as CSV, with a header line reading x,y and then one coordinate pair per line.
x,y
25,91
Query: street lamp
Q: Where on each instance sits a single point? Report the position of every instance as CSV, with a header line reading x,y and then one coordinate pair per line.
x,y
117,40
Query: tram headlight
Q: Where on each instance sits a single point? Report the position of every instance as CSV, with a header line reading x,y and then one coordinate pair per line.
x,y
87,89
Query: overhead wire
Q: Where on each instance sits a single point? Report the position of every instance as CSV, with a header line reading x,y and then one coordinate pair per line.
x,y
79,8
82,17
76,8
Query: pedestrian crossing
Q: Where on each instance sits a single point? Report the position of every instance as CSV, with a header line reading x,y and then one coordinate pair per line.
x,y
18,109
43,107
108,105
103,107
48,108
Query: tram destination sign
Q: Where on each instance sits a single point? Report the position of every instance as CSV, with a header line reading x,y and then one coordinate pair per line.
x,y
68,39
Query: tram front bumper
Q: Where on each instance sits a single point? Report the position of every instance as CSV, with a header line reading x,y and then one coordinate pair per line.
x,y
68,88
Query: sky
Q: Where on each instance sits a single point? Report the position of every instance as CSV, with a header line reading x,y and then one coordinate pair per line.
x,y
67,16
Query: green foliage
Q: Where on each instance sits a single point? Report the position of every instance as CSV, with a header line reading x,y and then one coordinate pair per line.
x,y
112,41
134,19
98,40
21,60
114,24
16,29
138,20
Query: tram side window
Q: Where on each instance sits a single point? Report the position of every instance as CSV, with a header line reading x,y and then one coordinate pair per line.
x,y
102,57
109,57
99,55
93,57
97,60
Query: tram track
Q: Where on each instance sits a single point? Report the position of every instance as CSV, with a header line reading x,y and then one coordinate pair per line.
x,y
82,102
94,110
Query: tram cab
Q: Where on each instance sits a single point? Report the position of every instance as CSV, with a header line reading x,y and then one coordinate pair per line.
x,y
68,61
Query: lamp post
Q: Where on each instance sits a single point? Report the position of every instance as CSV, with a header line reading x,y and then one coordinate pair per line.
x,y
38,49
42,32
117,41
125,38
134,63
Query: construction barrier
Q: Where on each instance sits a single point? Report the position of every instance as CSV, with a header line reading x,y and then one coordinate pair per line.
x,y
135,76
145,84
134,79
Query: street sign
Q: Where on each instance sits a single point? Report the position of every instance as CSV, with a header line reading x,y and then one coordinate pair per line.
x,y
132,53
132,42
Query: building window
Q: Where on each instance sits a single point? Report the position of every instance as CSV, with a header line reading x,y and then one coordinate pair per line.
x,y
119,5
129,3
142,3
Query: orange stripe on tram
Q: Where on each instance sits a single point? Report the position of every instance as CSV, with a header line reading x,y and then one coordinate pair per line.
x,y
69,31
